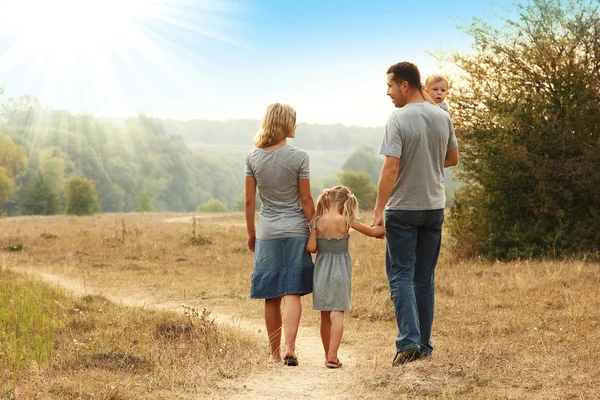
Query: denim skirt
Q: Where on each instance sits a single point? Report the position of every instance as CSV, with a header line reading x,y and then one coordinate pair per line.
x,y
281,267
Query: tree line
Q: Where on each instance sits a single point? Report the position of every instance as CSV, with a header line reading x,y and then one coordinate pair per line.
x,y
132,166
53,161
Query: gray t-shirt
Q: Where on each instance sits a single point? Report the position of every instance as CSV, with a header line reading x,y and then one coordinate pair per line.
x,y
277,174
420,135
443,106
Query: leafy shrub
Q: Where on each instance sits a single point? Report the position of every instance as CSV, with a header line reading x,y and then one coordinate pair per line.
x,y
212,205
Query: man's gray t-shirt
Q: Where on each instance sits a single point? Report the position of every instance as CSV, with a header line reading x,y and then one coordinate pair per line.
x,y
277,173
420,135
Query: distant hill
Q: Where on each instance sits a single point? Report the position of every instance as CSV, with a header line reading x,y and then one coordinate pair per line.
x,y
329,146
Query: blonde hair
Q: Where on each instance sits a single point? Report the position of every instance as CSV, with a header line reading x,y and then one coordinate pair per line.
x,y
435,78
277,123
343,198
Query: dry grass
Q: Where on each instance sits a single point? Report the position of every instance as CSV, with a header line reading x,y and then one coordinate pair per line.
x,y
502,330
515,330
102,351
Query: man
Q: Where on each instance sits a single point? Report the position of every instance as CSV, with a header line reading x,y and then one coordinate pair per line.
x,y
419,143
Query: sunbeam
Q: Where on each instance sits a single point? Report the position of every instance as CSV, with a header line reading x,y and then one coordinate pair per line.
x,y
113,57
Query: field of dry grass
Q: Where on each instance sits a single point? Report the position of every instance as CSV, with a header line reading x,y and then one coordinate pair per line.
x,y
502,330
98,350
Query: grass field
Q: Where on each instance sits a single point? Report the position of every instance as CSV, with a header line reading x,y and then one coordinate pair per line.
x,y
523,330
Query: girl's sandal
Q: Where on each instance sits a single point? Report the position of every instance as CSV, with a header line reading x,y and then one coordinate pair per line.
x,y
332,364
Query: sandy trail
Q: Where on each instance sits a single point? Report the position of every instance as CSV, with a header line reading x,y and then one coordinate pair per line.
x,y
309,380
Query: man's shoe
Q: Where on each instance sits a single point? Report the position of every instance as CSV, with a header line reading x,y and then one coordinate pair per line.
x,y
406,356
425,353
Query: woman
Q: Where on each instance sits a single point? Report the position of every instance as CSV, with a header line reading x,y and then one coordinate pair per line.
x,y
283,269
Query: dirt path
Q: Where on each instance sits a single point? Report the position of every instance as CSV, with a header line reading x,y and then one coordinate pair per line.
x,y
309,380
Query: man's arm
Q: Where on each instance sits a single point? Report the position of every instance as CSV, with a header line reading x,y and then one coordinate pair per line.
x,y
451,158
387,180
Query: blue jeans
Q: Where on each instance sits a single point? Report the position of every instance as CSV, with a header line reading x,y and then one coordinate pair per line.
x,y
413,241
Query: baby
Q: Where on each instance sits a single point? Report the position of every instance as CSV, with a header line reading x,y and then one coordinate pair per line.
x,y
437,87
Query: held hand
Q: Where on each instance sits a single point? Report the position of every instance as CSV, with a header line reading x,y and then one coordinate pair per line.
x,y
377,219
379,231
377,223
252,242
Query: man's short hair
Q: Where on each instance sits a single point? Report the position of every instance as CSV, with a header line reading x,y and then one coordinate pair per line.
x,y
406,71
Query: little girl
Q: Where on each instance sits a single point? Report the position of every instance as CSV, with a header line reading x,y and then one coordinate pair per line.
x,y
336,213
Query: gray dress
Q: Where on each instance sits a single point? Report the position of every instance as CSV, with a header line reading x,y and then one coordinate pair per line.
x,y
332,280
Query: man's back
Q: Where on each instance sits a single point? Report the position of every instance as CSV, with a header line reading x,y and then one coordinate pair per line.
x,y
420,135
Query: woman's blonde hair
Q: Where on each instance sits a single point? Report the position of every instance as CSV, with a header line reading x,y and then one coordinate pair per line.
x,y
343,198
278,122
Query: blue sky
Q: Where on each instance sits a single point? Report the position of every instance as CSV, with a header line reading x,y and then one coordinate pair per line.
x,y
215,59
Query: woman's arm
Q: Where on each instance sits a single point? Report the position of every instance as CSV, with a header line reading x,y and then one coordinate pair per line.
x,y
377,231
250,210
308,205
311,246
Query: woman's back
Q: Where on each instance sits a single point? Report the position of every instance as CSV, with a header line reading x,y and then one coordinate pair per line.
x,y
277,173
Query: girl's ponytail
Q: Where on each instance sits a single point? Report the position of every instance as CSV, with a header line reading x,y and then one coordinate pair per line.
x,y
322,204
350,210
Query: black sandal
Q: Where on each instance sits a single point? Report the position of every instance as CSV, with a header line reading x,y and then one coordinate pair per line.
x,y
290,361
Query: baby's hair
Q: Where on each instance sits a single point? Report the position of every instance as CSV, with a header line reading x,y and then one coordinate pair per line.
x,y
343,197
277,123
435,78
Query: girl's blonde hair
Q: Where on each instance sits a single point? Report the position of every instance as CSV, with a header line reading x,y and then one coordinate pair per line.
x,y
343,198
435,78
278,122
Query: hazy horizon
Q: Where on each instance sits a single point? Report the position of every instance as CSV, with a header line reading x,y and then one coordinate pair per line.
x,y
216,60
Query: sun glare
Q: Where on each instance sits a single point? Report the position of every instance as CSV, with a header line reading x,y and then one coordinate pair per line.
x,y
94,54
72,26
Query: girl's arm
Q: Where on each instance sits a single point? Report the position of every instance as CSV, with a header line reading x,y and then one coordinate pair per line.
x,y
308,205
311,246
250,210
377,231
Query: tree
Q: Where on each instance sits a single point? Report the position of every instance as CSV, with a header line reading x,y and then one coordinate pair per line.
x,y
21,111
360,185
6,185
318,185
81,196
53,169
240,202
12,166
365,159
114,200
38,198
529,131
143,202
212,205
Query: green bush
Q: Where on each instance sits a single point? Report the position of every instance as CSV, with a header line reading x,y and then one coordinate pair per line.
x,y
81,196
360,185
526,118
212,205
38,198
